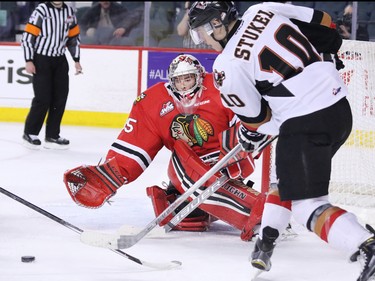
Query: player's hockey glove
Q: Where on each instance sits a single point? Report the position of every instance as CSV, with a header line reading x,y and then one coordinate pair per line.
x,y
92,186
250,140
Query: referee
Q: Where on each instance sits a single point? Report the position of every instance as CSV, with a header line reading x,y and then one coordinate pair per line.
x,y
51,29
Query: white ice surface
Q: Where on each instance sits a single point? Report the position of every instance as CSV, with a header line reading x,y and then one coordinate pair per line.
x,y
217,255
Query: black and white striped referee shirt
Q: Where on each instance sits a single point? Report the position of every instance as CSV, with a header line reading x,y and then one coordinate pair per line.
x,y
50,31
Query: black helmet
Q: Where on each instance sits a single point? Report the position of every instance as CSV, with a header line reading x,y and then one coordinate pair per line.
x,y
203,12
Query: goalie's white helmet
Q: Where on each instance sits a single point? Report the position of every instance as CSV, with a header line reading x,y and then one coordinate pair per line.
x,y
185,76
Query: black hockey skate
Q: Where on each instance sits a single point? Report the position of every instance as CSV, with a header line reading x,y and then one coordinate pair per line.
x,y
56,143
366,256
261,256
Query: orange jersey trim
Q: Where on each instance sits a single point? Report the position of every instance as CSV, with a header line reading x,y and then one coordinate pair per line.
x,y
74,31
32,29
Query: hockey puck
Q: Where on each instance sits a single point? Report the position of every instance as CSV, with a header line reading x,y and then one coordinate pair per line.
x,y
27,258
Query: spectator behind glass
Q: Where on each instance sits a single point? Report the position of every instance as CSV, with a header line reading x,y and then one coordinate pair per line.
x,y
108,23
162,22
7,21
183,29
162,19
24,10
344,26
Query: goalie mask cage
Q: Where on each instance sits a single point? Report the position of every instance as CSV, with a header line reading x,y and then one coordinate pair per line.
x,y
352,183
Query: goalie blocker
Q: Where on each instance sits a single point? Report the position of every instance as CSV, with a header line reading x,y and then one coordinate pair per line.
x,y
234,203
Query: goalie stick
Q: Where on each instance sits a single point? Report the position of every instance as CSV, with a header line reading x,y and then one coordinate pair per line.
x,y
162,266
122,241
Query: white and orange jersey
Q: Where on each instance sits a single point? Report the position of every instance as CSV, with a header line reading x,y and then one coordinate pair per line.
x,y
268,57
155,122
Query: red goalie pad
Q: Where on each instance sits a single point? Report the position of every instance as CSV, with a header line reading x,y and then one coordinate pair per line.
x,y
234,203
161,199
92,186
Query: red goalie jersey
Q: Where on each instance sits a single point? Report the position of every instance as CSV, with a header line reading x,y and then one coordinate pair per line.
x,y
154,122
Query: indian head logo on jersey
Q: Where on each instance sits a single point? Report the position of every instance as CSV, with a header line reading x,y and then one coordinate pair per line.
x,y
219,77
166,108
192,129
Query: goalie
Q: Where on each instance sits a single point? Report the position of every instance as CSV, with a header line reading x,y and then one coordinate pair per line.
x,y
186,116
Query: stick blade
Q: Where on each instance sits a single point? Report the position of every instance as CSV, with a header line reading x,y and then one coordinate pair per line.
x,y
163,266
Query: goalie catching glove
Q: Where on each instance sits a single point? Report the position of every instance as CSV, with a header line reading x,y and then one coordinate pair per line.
x,y
250,140
92,186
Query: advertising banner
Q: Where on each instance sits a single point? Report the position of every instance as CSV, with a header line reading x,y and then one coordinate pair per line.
x,y
158,63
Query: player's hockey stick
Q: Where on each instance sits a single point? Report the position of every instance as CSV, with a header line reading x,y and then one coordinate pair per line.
x,y
122,241
162,266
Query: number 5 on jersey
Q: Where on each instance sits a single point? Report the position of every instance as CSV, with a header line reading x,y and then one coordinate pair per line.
x,y
128,128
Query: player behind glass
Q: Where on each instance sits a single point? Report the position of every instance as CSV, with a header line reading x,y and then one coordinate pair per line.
x,y
277,72
187,117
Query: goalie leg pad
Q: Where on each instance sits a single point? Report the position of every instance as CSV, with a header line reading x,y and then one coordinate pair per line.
x,y
255,218
186,167
238,205
233,203
161,199
92,186
199,224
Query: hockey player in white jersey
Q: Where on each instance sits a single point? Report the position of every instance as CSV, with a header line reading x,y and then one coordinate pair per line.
x,y
273,75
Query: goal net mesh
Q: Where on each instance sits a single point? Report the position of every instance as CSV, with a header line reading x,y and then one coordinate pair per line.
x,y
352,183
353,169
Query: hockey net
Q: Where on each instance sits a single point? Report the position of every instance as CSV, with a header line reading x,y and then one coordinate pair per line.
x,y
353,171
